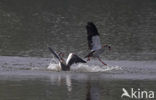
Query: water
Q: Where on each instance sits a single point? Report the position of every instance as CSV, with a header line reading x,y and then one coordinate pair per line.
x,y
67,87
134,70
27,27
28,71
32,78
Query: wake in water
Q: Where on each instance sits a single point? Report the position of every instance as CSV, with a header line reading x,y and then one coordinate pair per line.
x,y
115,69
29,63
93,66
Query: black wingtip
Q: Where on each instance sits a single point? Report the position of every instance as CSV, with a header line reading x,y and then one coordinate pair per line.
x,y
90,54
53,52
86,56
80,60
49,48
84,61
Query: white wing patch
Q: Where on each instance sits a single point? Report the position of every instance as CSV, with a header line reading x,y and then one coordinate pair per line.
x,y
69,58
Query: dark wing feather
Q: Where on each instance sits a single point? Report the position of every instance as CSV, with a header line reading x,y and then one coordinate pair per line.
x,y
89,39
72,58
89,54
53,52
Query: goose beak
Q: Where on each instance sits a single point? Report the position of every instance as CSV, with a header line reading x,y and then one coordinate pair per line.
x,y
61,54
109,47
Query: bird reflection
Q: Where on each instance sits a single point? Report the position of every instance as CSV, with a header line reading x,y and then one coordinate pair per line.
x,y
68,83
64,79
93,92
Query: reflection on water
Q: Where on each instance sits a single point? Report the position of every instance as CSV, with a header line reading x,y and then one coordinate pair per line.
x,y
93,92
69,83
63,80
67,86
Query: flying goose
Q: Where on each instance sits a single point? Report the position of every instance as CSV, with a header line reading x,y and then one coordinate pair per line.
x,y
94,43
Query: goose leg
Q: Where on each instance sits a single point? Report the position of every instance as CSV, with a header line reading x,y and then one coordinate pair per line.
x,y
88,59
102,61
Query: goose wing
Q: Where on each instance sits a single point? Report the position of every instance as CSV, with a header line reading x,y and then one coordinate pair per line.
x,y
96,44
89,54
55,54
89,40
72,58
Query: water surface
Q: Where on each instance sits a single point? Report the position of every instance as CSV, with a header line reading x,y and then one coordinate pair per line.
x,y
30,78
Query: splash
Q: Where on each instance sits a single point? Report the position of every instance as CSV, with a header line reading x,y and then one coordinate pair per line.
x,y
93,68
54,67
85,68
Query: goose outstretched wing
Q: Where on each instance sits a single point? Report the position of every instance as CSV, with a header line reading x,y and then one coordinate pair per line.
x,y
96,44
72,58
55,54
89,54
